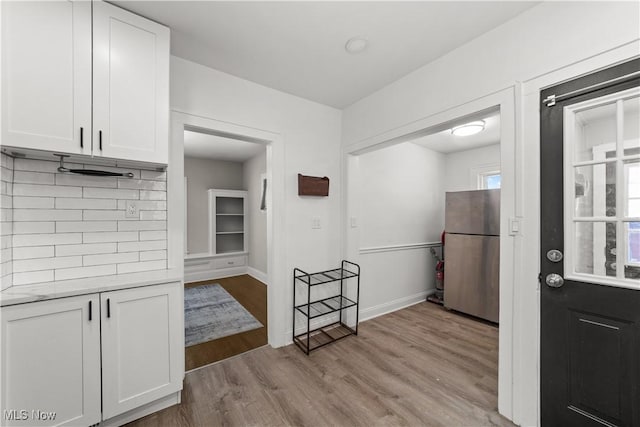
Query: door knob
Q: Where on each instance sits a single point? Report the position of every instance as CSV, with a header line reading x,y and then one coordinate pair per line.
x,y
554,280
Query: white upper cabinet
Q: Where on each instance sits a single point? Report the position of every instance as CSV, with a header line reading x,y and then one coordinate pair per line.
x,y
131,85
85,82
46,75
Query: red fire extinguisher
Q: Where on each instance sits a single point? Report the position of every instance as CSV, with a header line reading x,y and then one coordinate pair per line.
x,y
440,276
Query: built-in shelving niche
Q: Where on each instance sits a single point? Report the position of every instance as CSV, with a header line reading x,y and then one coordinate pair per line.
x,y
227,221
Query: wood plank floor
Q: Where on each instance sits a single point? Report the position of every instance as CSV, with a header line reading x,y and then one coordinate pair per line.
x,y
252,295
420,366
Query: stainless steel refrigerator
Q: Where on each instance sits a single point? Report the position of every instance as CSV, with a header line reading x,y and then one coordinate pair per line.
x,y
472,253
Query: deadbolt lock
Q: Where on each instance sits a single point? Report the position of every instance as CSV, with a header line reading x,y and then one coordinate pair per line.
x,y
554,255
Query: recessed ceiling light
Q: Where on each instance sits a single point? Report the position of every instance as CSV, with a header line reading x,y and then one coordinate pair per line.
x,y
356,45
467,129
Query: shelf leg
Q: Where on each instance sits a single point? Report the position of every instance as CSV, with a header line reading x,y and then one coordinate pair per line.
x,y
357,300
308,319
341,288
293,319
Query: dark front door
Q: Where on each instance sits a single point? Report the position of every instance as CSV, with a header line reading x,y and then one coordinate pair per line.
x,y
590,249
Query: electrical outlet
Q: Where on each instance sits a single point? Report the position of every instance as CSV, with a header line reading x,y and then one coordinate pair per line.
x,y
131,210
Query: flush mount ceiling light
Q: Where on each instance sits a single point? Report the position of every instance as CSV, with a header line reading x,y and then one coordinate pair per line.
x,y
356,45
467,129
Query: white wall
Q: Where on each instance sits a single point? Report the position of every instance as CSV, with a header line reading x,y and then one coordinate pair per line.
x,y
462,167
254,168
401,196
310,134
542,40
401,204
203,174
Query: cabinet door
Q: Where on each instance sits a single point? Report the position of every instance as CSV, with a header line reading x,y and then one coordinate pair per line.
x,y
46,75
131,86
142,346
51,362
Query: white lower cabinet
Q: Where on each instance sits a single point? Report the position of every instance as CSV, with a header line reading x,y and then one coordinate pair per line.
x,y
141,345
51,363
53,352
228,262
206,266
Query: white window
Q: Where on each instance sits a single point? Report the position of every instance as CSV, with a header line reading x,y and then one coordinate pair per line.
x,y
632,184
489,180
602,190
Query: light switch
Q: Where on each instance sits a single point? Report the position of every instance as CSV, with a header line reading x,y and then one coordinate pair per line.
x,y
354,222
514,226
315,223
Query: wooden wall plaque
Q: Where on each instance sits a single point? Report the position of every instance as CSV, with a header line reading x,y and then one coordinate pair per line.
x,y
313,185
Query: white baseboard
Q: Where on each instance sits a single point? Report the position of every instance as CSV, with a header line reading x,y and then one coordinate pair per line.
x,y
197,273
257,274
395,305
149,408
212,274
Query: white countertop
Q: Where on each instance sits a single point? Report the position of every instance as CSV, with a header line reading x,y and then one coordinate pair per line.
x,y
92,285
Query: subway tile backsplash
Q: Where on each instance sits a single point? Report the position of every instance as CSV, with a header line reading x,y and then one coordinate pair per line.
x,y
6,221
61,226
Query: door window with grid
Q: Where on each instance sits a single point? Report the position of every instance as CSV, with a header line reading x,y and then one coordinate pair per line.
x,y
602,172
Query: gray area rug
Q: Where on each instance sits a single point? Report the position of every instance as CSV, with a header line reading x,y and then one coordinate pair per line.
x,y
210,313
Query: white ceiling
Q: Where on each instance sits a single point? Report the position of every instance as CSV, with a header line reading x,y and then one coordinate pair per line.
x,y
298,47
445,142
215,147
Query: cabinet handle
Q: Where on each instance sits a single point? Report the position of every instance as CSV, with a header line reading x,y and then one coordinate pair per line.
x,y
108,307
82,142
100,139
90,310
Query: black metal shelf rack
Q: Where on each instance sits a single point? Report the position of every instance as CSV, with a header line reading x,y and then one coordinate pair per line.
x,y
317,337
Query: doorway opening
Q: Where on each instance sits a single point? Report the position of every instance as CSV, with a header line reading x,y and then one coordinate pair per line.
x,y
406,191
225,246
403,235
227,178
